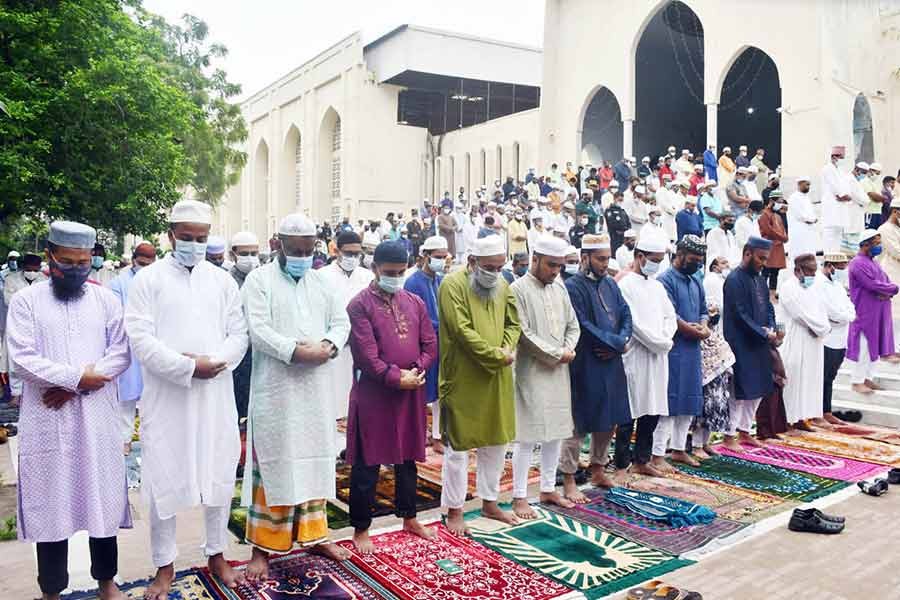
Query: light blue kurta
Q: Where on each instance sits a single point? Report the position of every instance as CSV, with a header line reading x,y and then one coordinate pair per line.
x,y
130,382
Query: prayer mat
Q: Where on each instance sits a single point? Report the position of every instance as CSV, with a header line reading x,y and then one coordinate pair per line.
x,y
797,459
673,511
430,470
303,575
449,568
589,560
839,444
603,514
188,585
729,502
793,485
871,432
428,494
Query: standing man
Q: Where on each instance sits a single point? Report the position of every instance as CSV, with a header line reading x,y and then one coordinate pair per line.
x,y
517,234
393,346
245,257
424,283
831,285
748,322
721,242
759,163
871,334
618,223
802,221
738,200
709,163
99,273
479,331
29,274
726,168
298,323
625,252
890,257
835,203
186,326
803,352
646,361
599,385
771,227
688,220
67,343
447,225
685,389
543,391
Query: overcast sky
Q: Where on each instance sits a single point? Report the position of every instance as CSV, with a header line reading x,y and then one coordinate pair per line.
x,y
268,38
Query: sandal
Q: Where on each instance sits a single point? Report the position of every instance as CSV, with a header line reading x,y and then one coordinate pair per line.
x,y
813,523
876,488
644,592
894,476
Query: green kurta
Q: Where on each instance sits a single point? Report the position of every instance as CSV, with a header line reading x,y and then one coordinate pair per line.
x,y
476,386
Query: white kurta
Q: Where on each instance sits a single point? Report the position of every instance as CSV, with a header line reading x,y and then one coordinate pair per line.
x,y
856,208
802,235
668,203
803,351
291,426
624,256
744,228
714,286
839,308
722,243
834,213
549,328
189,427
646,362
345,288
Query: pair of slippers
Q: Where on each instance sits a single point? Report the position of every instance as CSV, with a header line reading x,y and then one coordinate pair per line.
x,y
851,416
894,476
813,520
879,486
658,590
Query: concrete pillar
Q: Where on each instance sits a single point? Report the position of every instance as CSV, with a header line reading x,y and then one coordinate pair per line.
x,y
627,145
712,123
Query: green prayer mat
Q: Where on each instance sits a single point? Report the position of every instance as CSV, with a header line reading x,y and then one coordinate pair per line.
x,y
792,485
584,558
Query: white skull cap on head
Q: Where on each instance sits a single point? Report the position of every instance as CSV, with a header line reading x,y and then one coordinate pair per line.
x,y
491,245
297,224
550,245
435,242
191,211
244,238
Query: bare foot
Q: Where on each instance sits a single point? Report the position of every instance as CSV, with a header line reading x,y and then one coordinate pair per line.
x,y
821,423
620,476
732,444
363,542
330,550
601,479
110,591
161,584
647,469
893,359
571,491
455,523
522,509
437,445
258,568
219,567
414,527
833,419
660,464
490,510
710,451
803,426
861,388
557,499
746,438
684,458
872,385
700,453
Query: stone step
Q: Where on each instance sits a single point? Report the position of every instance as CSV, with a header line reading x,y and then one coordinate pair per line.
x,y
873,414
886,377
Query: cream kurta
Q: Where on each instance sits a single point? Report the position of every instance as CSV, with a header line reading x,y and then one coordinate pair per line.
x,y
802,235
189,427
292,414
543,391
647,360
346,288
722,243
890,260
839,308
803,351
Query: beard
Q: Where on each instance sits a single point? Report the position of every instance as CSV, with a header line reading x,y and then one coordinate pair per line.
x,y
482,292
63,293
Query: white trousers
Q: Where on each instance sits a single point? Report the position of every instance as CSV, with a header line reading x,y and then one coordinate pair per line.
x,y
671,432
163,543
831,239
128,409
701,436
742,414
521,464
455,474
435,420
864,368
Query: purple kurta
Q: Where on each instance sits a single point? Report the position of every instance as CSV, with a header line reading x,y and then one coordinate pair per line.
x,y
388,333
873,313
71,467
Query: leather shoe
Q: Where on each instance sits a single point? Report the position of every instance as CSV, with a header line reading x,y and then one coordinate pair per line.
x,y
807,512
813,523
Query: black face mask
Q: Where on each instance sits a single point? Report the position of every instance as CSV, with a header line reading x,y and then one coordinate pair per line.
x,y
67,280
689,268
629,246
714,320
727,226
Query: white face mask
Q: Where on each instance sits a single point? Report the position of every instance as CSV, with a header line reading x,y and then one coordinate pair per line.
x,y
840,276
245,264
367,261
30,275
349,263
571,268
650,268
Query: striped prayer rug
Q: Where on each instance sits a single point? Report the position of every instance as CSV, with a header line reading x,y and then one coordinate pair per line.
x,y
798,459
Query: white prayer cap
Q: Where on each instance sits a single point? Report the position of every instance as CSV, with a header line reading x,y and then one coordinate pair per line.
x,y
536,214
646,159
491,245
683,183
875,167
435,242
632,159
868,234
613,265
568,205
244,238
561,228
550,245
543,199
726,149
671,148
895,202
614,183
297,224
639,189
191,211
862,166
773,176
215,244
653,239
570,250
685,151
14,254
698,167
804,178
426,201
629,233
742,148
595,242
492,204
70,234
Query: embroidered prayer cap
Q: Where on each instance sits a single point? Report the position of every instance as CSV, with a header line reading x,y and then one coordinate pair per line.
x,y
435,242
836,257
667,176
867,235
595,242
759,243
863,166
613,264
70,234
491,245
653,239
639,189
550,245
347,237
629,233
875,167
390,252
297,224
776,194
692,243
804,178
568,205
215,244
191,211
244,238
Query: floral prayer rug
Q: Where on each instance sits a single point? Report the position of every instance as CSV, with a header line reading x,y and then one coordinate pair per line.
x,y
839,444
587,559
603,514
871,432
798,459
428,494
729,502
449,568
303,575
430,470
188,585
793,485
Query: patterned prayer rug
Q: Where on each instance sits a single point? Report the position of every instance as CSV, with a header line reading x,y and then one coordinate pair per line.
x,y
302,575
729,502
792,485
449,568
839,444
603,514
797,459
428,494
871,432
188,585
589,560
430,470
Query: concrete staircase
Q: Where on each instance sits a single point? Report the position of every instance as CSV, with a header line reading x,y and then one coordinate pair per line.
x,y
880,408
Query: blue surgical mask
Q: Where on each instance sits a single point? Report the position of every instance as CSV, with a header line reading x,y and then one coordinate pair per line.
x,y
841,276
875,250
189,254
297,266
808,281
650,268
436,264
96,262
13,265
391,285
571,268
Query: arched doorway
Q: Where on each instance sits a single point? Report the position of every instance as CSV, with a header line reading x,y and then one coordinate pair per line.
x,y
328,200
748,106
601,129
259,203
290,192
863,140
669,107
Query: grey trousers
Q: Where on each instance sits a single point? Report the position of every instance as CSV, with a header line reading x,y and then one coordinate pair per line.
x,y
571,449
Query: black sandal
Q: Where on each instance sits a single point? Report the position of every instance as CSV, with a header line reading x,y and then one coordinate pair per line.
x,y
894,476
876,488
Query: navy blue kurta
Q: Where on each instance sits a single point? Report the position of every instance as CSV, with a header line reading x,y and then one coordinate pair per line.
x,y
685,369
747,310
599,387
426,288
